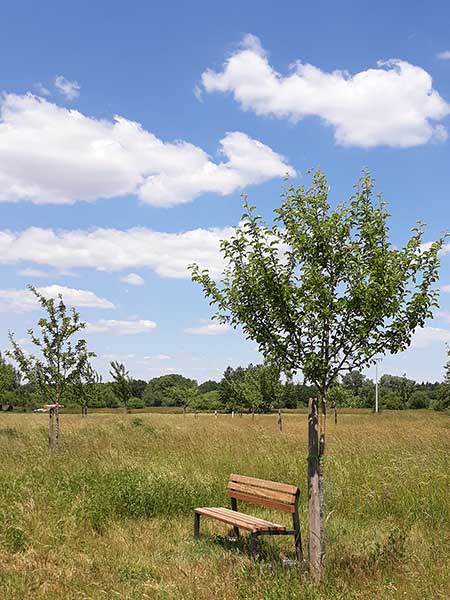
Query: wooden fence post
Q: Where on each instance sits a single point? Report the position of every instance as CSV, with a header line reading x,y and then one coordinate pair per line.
x,y
50,429
57,426
334,408
314,509
280,421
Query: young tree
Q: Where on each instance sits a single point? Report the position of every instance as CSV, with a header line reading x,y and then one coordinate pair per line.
x,y
88,388
442,400
61,359
323,291
9,383
121,383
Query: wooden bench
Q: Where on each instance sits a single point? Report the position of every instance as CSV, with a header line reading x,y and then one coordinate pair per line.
x,y
279,496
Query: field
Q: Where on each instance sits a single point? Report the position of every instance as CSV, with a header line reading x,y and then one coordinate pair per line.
x,y
110,515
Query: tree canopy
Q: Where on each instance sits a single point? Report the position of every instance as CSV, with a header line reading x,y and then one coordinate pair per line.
x,y
323,290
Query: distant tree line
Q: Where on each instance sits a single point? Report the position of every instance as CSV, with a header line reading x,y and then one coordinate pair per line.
x,y
255,388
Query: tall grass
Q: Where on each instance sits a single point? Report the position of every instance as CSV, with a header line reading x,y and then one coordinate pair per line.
x,y
110,515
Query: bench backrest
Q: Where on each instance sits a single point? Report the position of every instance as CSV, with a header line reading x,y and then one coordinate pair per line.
x,y
271,494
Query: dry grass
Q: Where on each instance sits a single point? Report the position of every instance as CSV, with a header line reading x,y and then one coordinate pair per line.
x,y
110,516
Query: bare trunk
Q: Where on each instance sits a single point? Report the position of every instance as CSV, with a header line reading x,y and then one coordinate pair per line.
x,y
315,489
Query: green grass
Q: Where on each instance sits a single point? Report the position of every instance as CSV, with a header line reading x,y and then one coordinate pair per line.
x,y
110,515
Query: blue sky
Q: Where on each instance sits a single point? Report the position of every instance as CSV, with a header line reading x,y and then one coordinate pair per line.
x,y
213,99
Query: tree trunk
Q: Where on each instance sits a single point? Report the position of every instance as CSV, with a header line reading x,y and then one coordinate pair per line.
x,y
314,493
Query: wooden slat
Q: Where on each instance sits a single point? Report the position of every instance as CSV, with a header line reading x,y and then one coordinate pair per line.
x,y
239,519
264,483
262,493
261,501
226,519
251,518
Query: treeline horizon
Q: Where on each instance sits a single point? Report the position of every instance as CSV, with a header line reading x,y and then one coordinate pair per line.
x,y
256,388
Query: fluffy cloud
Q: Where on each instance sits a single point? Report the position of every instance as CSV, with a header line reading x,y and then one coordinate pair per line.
x,y
121,327
133,279
35,273
212,328
24,300
394,104
444,55
69,89
49,154
168,254
426,336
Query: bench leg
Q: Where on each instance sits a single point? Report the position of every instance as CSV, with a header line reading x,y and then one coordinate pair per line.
x,y
298,547
254,545
196,526
297,536
234,507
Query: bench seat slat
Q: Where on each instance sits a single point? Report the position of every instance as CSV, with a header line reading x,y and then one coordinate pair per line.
x,y
264,483
262,493
239,519
249,518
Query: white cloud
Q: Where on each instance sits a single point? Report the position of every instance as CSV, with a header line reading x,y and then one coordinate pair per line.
x,y
393,104
212,328
445,288
426,336
49,154
41,89
444,55
121,327
168,254
158,357
14,300
69,89
133,279
34,273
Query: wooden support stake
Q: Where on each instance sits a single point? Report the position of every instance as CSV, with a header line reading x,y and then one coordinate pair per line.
x,y
57,427
315,526
50,429
280,421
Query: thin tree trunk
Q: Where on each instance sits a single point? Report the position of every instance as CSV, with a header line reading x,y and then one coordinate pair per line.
x,y
314,509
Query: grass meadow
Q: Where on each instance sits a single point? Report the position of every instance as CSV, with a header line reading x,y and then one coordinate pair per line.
x,y
110,514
